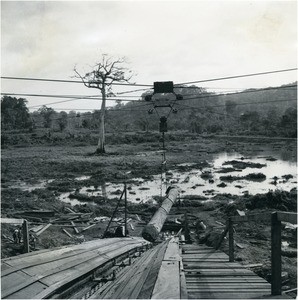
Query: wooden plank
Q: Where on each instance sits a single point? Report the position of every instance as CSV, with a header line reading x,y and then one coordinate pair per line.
x,y
206,255
88,227
32,276
230,295
11,221
135,291
224,233
27,259
168,281
201,251
84,268
76,263
172,252
134,283
70,267
43,229
183,285
74,227
26,293
65,231
46,256
210,266
36,228
231,290
275,254
70,210
239,279
148,286
26,236
206,259
12,281
226,285
287,217
209,273
125,283
231,240
195,247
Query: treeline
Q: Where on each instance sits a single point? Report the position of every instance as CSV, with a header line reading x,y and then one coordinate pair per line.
x,y
269,112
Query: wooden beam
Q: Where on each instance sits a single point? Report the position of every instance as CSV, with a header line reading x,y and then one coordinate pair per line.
x,y
224,233
167,285
66,232
275,254
88,227
287,217
26,237
74,227
231,240
43,229
12,221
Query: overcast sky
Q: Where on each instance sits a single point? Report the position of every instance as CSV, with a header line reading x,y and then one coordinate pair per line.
x,y
176,41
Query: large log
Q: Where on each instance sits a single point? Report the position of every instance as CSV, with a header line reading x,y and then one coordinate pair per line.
x,y
153,228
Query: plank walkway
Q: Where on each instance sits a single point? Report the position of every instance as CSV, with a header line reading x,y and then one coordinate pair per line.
x,y
210,275
156,275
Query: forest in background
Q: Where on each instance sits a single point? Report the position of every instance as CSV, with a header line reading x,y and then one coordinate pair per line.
x,y
269,112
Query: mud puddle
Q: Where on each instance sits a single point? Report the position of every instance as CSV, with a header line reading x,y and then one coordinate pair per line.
x,y
207,182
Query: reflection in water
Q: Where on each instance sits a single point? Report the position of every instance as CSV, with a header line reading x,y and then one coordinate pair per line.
x,y
104,190
192,182
287,156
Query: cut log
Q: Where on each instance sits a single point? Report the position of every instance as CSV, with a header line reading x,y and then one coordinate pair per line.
x,y
151,231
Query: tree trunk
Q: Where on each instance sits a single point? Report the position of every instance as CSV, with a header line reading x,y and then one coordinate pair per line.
x,y
101,140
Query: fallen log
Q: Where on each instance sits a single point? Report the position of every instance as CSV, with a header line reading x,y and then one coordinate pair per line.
x,y
151,231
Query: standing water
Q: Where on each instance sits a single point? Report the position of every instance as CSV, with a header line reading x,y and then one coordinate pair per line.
x,y
279,173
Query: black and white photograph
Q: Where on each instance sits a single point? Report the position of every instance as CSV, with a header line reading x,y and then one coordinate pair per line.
x,y
149,149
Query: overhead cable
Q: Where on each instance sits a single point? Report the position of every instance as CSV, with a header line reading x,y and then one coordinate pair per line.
x,y
69,81
240,76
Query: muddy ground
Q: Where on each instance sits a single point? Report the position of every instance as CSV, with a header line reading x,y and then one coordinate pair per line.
x,y
62,164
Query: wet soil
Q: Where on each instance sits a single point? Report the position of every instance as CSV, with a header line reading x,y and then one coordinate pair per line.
x,y
59,168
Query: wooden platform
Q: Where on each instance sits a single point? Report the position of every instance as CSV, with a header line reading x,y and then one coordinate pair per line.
x,y
210,275
39,274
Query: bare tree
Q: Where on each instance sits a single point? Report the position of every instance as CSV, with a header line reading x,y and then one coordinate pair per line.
x,y
104,73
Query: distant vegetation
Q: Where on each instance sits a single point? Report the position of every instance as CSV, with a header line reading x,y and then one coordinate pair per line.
x,y
271,112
